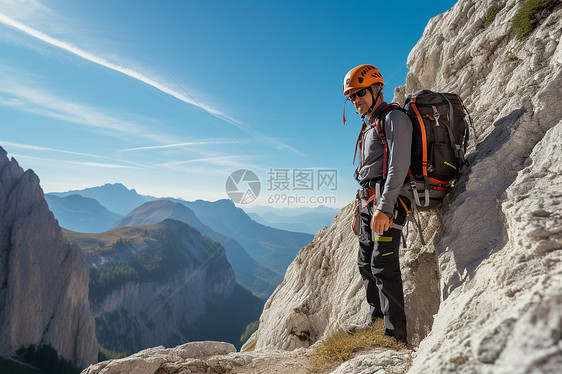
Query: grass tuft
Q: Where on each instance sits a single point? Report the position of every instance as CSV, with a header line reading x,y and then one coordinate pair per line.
x,y
250,329
107,354
527,16
341,346
251,347
492,13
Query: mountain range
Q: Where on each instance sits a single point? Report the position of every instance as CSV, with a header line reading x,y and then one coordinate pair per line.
x,y
301,219
256,277
163,284
271,247
113,196
308,223
270,250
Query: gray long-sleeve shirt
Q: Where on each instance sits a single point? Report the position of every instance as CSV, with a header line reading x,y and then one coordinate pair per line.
x,y
398,132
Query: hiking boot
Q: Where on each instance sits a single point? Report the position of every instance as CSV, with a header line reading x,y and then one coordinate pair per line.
x,y
399,337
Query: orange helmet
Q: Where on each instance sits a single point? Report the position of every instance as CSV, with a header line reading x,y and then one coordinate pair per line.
x,y
360,77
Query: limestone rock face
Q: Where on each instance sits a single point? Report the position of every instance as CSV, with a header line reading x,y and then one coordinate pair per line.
x,y
212,357
190,356
499,242
381,361
43,279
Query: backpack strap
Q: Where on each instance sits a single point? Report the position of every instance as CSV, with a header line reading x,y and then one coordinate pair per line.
x,y
424,137
380,130
379,124
424,157
415,193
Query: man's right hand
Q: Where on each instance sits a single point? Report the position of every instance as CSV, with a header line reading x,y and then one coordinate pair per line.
x,y
380,222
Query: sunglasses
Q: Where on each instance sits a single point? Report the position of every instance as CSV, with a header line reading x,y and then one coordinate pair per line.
x,y
359,93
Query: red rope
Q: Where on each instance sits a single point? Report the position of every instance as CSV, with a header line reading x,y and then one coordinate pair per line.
x,y
344,120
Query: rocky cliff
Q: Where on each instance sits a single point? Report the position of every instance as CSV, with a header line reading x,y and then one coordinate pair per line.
x,y
500,238
484,295
44,280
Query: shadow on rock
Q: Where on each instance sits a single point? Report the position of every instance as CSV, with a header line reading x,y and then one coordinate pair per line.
x,y
473,223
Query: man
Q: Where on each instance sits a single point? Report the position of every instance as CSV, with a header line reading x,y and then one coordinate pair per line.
x,y
381,174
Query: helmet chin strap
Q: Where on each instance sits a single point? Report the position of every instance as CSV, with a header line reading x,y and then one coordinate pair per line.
x,y
372,107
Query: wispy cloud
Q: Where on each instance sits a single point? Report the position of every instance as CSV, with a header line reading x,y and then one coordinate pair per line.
x,y
181,145
38,148
41,102
11,145
285,146
25,8
221,161
81,163
110,65
101,165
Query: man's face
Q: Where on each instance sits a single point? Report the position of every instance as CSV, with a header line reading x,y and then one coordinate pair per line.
x,y
361,103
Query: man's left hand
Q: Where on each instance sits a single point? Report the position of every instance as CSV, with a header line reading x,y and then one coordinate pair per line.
x,y
380,222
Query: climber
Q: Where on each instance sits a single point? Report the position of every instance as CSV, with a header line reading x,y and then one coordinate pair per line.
x,y
381,210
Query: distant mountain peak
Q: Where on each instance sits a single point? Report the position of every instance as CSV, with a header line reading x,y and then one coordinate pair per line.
x,y
158,204
162,202
155,211
115,197
116,186
79,213
76,197
226,202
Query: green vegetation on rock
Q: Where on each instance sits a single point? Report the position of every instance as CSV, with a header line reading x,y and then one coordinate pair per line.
x,y
492,12
250,329
106,354
109,277
529,15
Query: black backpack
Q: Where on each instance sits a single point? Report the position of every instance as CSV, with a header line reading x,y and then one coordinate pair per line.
x,y
439,142
440,139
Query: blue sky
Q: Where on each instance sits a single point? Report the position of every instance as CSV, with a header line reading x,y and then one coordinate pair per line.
x,y
171,97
